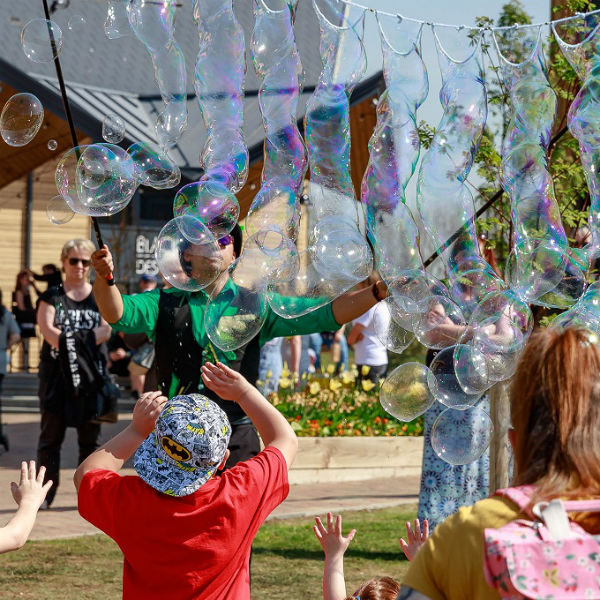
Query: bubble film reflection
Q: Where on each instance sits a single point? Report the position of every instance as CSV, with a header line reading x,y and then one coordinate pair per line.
x,y
392,335
41,40
404,394
96,180
21,119
153,23
58,211
459,437
153,167
113,129
187,254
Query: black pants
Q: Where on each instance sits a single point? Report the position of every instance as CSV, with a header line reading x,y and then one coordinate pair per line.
x,y
375,373
243,444
52,434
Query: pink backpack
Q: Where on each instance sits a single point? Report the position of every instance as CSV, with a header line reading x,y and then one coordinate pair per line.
x,y
549,558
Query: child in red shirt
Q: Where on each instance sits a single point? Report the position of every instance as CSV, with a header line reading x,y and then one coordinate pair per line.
x,y
185,531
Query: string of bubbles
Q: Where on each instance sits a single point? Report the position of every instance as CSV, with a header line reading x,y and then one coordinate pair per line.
x,y
477,321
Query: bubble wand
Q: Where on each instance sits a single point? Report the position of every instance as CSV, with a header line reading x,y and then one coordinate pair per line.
x,y
63,92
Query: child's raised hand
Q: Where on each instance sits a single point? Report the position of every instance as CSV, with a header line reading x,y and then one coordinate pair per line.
x,y
227,383
416,538
31,489
331,539
146,412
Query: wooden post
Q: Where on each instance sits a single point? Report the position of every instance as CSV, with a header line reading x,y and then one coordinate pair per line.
x,y
500,450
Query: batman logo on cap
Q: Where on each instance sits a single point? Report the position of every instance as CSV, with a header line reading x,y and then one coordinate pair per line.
x,y
174,450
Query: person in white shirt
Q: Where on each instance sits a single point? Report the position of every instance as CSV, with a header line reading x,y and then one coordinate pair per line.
x,y
368,349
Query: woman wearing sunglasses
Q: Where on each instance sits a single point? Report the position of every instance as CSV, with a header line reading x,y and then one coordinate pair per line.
x,y
69,307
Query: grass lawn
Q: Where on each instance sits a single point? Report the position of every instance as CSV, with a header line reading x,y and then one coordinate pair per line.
x,y
287,561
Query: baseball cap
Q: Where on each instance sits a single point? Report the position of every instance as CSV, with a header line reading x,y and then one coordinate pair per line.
x,y
147,277
186,446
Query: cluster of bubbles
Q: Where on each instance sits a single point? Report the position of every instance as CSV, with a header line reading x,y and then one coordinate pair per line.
x,y
153,23
270,253
541,269
338,255
583,53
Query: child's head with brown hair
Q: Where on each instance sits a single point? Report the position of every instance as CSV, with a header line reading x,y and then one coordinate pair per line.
x,y
381,588
555,410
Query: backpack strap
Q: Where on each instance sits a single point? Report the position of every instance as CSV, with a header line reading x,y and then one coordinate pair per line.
x,y
582,505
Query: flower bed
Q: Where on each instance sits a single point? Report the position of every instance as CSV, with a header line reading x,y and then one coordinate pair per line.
x,y
329,405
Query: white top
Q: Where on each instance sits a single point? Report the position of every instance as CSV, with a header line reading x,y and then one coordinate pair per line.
x,y
369,350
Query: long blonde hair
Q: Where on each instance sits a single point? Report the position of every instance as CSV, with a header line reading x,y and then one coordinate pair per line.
x,y
555,409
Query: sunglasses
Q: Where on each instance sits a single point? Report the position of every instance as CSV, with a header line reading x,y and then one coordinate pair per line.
x,y
225,241
84,262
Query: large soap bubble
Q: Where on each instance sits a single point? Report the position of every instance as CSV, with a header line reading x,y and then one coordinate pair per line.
x,y
153,167
113,129
444,384
404,393
392,335
339,251
211,202
187,254
237,307
273,205
438,322
460,437
96,180
58,211
21,119
471,369
41,40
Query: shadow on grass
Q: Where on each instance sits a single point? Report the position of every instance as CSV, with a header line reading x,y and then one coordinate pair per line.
x,y
317,555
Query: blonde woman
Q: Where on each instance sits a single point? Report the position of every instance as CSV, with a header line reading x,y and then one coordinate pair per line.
x,y
64,309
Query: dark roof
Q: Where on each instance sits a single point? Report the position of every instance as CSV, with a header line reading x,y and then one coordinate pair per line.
x,y
116,76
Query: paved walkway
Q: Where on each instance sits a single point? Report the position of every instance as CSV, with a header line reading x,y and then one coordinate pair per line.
x,y
63,520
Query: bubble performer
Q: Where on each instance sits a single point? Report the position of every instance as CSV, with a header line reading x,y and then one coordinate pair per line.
x,y
175,320
153,23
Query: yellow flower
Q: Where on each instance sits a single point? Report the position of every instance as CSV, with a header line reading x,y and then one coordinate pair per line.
x,y
303,376
285,382
331,369
334,384
285,372
367,385
314,387
364,370
347,377
269,374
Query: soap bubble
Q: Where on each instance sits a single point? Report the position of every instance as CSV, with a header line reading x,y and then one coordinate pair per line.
x,y
21,119
52,145
459,437
58,211
187,254
404,393
211,202
153,167
41,40
471,369
339,251
444,384
393,336
438,322
113,129
235,314
96,180
75,22
273,205
306,291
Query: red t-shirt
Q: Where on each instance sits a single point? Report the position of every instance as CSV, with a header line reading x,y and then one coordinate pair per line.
x,y
193,547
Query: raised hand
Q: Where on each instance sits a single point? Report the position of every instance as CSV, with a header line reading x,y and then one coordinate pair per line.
x,y
31,489
331,539
227,383
416,538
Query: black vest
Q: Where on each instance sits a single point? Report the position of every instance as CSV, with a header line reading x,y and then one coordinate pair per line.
x,y
179,355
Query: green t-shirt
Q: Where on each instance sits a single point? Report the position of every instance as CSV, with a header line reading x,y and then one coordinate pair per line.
x,y
140,314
